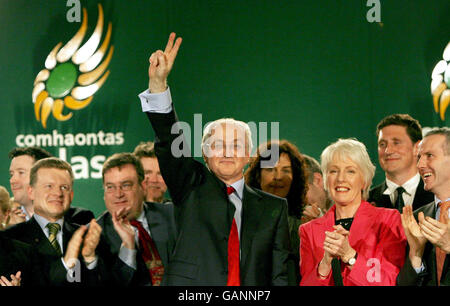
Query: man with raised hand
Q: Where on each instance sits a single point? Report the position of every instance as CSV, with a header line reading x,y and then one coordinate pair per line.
x,y
229,233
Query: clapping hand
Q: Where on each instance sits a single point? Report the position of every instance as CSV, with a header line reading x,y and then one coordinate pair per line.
x,y
15,280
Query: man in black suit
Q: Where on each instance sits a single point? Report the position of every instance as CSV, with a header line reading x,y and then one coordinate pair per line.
x,y
18,264
123,182
229,233
398,138
22,159
57,241
428,260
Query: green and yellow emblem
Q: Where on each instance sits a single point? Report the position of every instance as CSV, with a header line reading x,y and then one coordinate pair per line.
x,y
440,84
73,74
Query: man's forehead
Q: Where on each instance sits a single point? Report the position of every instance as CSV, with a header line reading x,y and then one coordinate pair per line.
x,y
228,130
121,173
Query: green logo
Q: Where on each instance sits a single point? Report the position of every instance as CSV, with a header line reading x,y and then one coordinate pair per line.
x,y
73,74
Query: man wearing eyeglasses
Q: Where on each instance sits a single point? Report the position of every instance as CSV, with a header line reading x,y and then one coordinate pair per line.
x,y
139,235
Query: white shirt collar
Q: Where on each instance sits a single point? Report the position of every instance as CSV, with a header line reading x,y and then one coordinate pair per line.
x,y
43,221
239,187
410,186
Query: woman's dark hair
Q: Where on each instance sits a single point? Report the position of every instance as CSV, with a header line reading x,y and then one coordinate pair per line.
x,y
299,187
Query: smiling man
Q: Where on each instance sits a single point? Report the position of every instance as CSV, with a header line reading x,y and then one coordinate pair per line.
x,y
398,138
428,260
139,236
155,187
57,240
229,233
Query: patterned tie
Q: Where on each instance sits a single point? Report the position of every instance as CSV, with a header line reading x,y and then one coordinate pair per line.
x,y
399,203
440,254
233,252
150,254
53,229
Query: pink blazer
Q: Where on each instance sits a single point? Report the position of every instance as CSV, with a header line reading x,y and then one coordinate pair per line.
x,y
377,236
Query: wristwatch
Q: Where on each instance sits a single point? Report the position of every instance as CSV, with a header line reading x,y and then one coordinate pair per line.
x,y
352,260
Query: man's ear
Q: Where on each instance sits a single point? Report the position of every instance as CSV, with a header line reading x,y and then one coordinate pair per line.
x,y
416,148
30,192
318,180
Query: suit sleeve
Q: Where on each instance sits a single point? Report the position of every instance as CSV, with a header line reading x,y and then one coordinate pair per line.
x,y
309,261
281,250
382,268
180,172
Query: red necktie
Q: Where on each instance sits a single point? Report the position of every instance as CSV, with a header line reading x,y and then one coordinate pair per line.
x,y
440,254
233,252
150,254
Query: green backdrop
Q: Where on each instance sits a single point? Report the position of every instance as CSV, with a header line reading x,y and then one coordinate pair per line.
x,y
319,68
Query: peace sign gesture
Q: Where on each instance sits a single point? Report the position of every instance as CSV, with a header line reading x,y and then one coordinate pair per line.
x,y
161,63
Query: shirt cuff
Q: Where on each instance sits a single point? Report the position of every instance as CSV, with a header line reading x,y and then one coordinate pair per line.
x,y
128,256
156,102
420,269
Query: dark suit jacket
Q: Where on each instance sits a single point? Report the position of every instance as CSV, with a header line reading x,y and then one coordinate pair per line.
x,y
204,216
421,198
160,219
79,215
17,256
409,277
51,266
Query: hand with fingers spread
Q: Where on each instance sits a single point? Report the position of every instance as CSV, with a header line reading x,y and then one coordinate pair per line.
x,y
15,280
123,227
416,239
436,232
91,241
16,216
161,63
73,247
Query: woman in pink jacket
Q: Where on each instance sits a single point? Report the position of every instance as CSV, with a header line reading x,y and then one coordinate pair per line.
x,y
354,243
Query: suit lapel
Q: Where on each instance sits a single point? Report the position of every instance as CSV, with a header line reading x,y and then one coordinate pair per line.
x,y
157,229
252,210
364,218
38,238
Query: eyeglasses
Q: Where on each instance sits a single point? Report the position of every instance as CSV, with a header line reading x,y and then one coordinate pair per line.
x,y
111,188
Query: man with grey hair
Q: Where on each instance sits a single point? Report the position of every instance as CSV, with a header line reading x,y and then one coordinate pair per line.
x,y
428,261
229,233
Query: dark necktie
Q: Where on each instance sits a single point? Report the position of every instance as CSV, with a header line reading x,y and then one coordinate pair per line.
x,y
149,254
53,229
399,203
233,252
440,254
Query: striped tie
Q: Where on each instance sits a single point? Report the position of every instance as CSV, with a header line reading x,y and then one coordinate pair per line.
x,y
53,229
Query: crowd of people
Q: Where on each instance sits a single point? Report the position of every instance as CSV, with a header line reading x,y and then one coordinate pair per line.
x,y
286,220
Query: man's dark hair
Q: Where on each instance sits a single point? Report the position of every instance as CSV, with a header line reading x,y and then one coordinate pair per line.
x,y
121,159
145,149
296,197
36,152
413,127
49,163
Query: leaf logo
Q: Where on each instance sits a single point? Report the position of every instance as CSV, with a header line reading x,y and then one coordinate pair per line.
x,y
440,83
73,74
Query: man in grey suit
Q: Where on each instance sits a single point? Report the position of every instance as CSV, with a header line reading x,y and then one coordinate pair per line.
x,y
398,138
428,261
139,235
